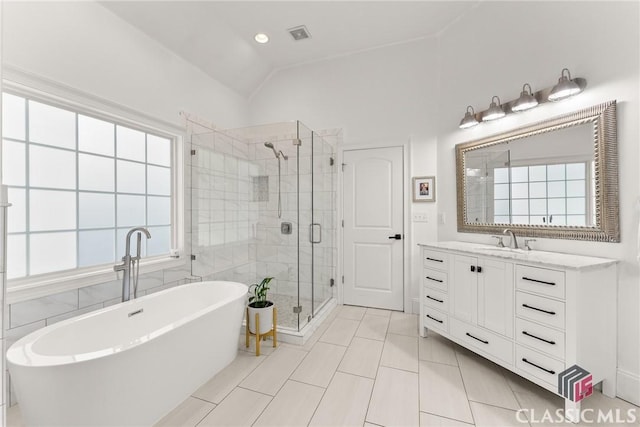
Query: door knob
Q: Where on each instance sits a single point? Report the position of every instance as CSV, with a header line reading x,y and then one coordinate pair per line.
x,y
396,236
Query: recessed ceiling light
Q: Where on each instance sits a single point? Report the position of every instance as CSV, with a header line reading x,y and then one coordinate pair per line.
x,y
261,38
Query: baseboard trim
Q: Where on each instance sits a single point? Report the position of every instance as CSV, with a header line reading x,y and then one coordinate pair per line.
x,y
628,386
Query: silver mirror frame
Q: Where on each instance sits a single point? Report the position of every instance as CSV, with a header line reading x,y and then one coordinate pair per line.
x,y
605,145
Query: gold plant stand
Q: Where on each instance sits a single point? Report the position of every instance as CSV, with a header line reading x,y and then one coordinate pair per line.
x,y
271,333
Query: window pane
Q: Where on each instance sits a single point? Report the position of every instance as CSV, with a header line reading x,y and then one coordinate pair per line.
x,y
130,143
576,188
52,168
558,220
52,210
95,136
52,252
159,209
520,174
160,242
96,247
520,207
556,189
576,171
576,220
501,191
576,206
538,173
538,206
158,150
17,214
520,219
96,173
130,211
538,190
520,191
51,125
557,206
501,207
555,172
159,180
538,219
96,210
130,177
501,175
13,163
16,255
13,116
501,219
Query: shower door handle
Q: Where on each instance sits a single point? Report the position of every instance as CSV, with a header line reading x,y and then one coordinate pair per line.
x,y
312,235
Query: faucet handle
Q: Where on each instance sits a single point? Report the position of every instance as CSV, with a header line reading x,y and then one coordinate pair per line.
x,y
526,244
500,242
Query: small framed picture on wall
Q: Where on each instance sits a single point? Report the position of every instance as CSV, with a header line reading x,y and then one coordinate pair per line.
x,y
424,189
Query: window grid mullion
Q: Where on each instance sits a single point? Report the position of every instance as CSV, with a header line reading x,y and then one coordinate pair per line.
x,y
27,194
115,191
77,192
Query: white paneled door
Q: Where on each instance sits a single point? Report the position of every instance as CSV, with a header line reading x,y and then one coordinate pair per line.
x,y
373,228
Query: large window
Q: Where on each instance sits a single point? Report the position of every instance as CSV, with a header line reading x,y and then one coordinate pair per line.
x,y
547,194
77,183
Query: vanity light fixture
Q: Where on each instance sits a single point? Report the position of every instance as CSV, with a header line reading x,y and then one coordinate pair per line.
x,y
469,119
261,38
526,100
494,112
565,88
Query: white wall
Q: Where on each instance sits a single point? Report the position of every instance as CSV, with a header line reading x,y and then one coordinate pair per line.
x,y
85,46
378,97
499,47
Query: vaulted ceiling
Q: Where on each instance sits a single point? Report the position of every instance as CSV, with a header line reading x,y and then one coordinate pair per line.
x,y
217,36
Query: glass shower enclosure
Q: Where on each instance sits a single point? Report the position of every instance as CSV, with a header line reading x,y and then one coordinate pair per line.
x,y
263,205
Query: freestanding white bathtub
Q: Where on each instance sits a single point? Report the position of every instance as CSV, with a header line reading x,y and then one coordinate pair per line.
x,y
129,364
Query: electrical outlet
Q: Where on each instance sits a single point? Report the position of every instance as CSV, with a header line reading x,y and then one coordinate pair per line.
x,y
442,218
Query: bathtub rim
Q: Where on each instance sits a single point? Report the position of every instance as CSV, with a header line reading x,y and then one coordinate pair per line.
x,y
21,353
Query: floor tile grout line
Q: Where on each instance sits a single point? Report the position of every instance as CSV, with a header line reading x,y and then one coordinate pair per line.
x,y
465,390
205,416
449,418
495,406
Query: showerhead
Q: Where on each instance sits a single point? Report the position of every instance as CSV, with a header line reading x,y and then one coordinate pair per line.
x,y
276,153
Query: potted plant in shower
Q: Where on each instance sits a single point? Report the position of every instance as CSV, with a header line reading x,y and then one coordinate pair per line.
x,y
258,303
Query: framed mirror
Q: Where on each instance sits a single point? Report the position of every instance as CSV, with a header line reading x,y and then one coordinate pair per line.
x,y
555,179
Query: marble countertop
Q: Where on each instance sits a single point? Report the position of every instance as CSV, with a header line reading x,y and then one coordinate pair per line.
x,y
549,259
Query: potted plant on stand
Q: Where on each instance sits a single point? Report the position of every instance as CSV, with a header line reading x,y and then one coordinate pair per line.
x,y
261,314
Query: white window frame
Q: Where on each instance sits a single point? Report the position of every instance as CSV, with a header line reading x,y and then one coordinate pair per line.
x,y
58,95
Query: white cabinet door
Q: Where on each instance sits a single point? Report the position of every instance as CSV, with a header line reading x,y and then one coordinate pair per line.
x,y
495,296
464,288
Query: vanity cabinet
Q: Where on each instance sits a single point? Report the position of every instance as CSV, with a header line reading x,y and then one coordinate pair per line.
x,y
535,313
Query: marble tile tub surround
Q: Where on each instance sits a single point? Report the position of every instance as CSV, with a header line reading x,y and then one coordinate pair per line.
x,y
550,259
395,379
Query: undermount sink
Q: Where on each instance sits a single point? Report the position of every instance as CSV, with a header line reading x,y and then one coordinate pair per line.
x,y
503,249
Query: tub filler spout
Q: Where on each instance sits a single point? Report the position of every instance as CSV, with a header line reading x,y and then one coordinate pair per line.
x,y
131,265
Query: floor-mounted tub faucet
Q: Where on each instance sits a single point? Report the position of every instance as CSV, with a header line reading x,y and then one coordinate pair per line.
x,y
131,264
513,242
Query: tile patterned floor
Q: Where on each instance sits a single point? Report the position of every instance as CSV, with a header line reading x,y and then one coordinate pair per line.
x,y
368,367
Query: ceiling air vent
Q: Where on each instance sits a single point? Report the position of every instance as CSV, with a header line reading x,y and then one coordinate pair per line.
x,y
299,33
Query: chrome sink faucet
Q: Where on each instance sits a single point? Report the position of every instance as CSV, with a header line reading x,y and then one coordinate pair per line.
x,y
131,264
513,242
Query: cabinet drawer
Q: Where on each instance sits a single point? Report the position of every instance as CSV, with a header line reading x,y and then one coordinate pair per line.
x,y
435,259
481,339
542,338
539,365
540,309
435,279
540,280
434,319
436,299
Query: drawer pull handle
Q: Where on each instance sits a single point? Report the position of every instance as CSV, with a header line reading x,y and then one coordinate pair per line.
x,y
433,318
476,338
553,313
435,299
538,281
433,259
538,338
435,280
549,371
